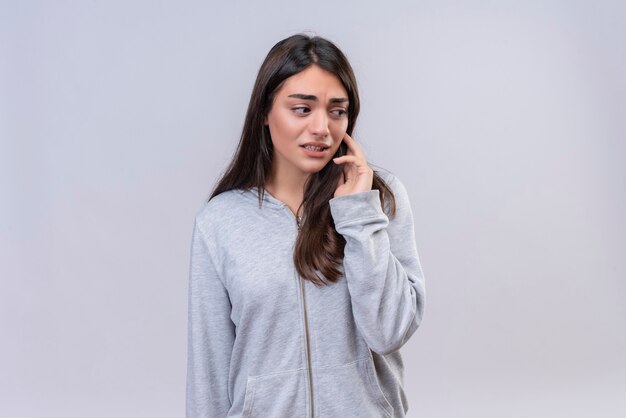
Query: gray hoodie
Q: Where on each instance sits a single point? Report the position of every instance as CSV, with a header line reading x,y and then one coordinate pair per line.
x,y
263,342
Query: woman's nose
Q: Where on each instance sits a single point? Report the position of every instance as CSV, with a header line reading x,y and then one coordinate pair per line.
x,y
319,124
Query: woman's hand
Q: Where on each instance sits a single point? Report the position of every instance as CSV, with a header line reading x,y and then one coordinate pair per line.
x,y
357,175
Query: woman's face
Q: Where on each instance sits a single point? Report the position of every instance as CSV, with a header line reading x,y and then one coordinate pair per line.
x,y
307,122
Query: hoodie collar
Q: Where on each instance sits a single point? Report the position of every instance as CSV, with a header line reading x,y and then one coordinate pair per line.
x,y
269,200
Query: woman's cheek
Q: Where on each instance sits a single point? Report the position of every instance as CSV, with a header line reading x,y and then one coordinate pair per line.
x,y
339,131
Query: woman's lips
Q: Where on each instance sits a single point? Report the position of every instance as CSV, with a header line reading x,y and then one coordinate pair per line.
x,y
314,150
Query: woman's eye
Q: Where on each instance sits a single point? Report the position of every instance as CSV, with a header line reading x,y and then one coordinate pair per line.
x,y
339,112
301,110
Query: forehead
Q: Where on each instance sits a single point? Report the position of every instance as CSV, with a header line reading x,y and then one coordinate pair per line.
x,y
316,81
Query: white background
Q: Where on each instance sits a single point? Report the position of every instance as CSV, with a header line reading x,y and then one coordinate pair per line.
x,y
505,120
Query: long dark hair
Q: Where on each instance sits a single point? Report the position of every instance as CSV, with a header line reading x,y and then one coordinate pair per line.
x,y
319,247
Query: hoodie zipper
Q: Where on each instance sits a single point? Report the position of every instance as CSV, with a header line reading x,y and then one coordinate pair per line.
x,y
308,347
306,328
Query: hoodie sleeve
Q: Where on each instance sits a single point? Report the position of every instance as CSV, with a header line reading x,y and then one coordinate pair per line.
x,y
211,334
381,266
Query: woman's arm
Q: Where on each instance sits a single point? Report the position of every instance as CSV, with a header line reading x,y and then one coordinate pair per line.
x,y
211,334
381,266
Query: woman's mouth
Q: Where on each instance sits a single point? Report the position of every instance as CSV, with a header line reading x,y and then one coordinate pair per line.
x,y
315,150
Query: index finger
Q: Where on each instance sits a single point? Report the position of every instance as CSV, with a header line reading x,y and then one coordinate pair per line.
x,y
353,146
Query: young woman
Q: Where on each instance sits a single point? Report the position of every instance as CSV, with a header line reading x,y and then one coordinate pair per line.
x,y
305,279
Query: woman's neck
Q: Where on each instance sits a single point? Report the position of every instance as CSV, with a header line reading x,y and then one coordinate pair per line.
x,y
289,189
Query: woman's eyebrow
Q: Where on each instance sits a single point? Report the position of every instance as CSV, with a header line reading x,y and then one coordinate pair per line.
x,y
314,98
304,96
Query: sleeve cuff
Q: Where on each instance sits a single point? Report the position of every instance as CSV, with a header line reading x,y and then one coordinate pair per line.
x,y
355,207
